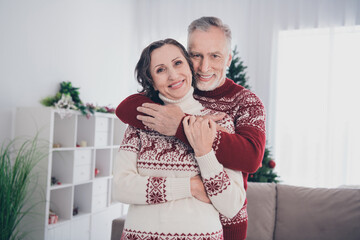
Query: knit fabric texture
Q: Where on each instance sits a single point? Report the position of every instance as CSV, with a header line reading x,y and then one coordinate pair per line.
x,y
242,151
152,173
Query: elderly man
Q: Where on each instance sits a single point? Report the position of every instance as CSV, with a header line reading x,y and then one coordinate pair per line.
x,y
209,45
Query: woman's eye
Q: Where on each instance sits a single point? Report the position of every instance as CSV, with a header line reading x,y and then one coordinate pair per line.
x,y
159,70
178,62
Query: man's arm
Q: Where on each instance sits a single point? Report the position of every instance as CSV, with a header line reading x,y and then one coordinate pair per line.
x,y
136,111
242,151
126,111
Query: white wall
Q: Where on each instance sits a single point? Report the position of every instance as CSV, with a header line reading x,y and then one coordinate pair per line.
x,y
45,42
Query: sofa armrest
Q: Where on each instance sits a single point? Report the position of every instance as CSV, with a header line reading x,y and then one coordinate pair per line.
x,y
261,209
117,228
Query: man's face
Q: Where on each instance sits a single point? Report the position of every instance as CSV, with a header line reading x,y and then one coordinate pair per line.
x,y
210,56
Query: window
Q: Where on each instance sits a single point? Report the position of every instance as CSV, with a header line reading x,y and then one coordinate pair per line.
x,y
317,123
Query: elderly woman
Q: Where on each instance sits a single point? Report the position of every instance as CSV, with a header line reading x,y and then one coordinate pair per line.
x,y
159,175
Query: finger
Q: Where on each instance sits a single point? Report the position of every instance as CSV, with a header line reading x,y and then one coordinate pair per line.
x,y
200,118
212,124
150,125
221,128
186,123
153,106
192,120
216,117
186,119
146,119
147,111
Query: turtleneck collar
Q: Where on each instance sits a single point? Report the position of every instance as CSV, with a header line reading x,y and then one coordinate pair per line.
x,y
187,103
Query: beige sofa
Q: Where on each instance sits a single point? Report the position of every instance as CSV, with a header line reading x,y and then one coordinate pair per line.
x,y
283,212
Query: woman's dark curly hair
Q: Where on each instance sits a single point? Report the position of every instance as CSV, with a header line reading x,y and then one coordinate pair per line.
x,y
142,69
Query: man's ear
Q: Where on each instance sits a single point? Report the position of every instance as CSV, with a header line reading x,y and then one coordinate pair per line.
x,y
229,60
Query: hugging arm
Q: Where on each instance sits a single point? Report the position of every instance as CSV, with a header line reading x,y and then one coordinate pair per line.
x,y
126,110
224,187
247,143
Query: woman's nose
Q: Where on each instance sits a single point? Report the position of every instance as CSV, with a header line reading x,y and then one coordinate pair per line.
x,y
173,74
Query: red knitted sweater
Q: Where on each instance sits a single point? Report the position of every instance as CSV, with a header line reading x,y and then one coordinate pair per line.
x,y
242,151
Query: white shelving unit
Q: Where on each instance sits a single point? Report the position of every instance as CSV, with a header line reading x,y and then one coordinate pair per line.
x,y
73,163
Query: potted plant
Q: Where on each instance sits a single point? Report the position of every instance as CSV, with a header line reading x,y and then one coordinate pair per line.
x,y
17,160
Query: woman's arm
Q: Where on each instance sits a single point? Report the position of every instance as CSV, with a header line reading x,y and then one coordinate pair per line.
x,y
132,188
225,188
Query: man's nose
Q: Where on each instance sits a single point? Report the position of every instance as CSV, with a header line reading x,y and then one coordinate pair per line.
x,y
204,65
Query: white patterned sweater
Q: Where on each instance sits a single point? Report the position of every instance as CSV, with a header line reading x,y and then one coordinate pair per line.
x,y
152,173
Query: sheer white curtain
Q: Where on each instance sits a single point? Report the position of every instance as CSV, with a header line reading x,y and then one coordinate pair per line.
x,y
255,25
318,113
314,121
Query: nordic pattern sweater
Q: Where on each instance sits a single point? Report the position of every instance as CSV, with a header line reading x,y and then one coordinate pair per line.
x,y
152,173
241,151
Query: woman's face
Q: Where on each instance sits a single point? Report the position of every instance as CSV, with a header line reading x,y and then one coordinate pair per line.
x,y
170,72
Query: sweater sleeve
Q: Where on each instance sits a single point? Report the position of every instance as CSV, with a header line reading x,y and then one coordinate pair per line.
x,y
247,143
225,187
244,149
132,188
126,110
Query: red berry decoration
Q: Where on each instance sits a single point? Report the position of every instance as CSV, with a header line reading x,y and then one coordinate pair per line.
x,y
272,164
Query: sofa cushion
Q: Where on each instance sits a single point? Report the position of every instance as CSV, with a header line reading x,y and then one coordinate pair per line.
x,y
317,213
261,210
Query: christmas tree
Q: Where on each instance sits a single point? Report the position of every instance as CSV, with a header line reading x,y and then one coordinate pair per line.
x,y
265,173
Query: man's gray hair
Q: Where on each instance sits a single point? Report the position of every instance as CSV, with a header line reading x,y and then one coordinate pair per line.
x,y
204,23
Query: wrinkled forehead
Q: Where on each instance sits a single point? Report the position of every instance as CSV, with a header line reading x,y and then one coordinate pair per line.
x,y
211,40
205,42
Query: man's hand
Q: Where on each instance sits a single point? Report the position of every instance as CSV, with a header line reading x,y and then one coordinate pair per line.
x,y
216,118
200,132
198,189
163,119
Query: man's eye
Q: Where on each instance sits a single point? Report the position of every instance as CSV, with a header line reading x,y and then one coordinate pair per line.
x,y
195,55
215,56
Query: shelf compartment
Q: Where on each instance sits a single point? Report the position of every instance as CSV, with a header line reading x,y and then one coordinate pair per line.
x,y
85,130
102,131
82,198
99,202
61,203
100,196
62,166
103,162
83,167
64,130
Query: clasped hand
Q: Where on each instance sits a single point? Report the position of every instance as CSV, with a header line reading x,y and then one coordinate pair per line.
x,y
200,132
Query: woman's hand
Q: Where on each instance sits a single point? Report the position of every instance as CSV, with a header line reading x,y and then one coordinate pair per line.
x,y
200,133
198,189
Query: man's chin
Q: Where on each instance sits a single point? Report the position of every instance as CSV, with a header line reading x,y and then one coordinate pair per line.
x,y
207,86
